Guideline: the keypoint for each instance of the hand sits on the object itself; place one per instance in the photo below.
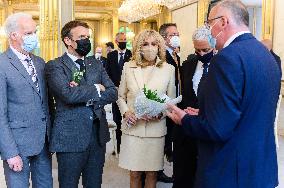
(146, 118)
(130, 117)
(175, 113)
(73, 84)
(102, 88)
(192, 111)
(15, 163)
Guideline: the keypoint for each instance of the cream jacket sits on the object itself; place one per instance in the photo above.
(161, 79)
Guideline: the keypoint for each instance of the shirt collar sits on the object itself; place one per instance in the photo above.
(170, 50)
(123, 51)
(21, 56)
(74, 58)
(232, 38)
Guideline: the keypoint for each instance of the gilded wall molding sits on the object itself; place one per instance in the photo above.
(202, 11)
(267, 19)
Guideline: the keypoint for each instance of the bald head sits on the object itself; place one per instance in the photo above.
(227, 18)
(234, 9)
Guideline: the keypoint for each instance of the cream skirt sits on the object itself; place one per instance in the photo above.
(141, 154)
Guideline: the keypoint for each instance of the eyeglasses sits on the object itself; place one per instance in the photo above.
(172, 35)
(208, 22)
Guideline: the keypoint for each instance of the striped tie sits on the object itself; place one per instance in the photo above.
(32, 73)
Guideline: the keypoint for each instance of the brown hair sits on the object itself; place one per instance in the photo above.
(66, 30)
(163, 28)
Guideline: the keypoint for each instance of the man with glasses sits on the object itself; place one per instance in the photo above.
(237, 107)
(171, 36)
(185, 147)
(80, 87)
(24, 117)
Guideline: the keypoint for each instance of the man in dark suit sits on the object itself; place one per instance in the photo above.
(114, 66)
(237, 105)
(185, 147)
(80, 131)
(99, 56)
(24, 116)
(268, 44)
(171, 35)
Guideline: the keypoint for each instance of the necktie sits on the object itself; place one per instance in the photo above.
(32, 73)
(178, 73)
(203, 78)
(121, 60)
(81, 63)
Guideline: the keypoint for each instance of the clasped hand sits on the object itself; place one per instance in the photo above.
(132, 119)
(74, 84)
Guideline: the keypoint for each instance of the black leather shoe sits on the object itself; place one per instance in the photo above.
(162, 177)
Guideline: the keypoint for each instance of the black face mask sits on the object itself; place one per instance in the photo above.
(122, 45)
(205, 58)
(83, 46)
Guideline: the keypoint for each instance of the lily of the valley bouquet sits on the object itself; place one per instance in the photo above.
(77, 76)
(151, 103)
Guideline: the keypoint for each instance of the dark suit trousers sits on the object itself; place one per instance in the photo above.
(184, 159)
(39, 166)
(117, 119)
(89, 164)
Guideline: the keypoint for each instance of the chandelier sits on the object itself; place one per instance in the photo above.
(135, 10)
(171, 3)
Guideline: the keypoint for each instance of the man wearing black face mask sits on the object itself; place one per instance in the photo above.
(80, 131)
(114, 66)
(185, 147)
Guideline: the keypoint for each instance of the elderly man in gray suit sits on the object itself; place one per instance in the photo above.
(24, 119)
(80, 130)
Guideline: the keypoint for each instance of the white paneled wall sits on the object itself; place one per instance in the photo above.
(278, 40)
(186, 20)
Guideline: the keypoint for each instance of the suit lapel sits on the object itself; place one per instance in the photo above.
(14, 60)
(39, 76)
(67, 61)
(138, 76)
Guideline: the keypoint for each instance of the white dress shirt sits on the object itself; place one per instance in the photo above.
(22, 58)
(232, 38)
(123, 51)
(197, 76)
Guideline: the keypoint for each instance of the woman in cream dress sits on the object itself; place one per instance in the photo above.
(142, 145)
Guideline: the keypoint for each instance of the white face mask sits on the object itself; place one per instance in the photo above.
(149, 53)
(98, 55)
(175, 41)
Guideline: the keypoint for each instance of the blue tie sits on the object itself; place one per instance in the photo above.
(203, 78)
(121, 61)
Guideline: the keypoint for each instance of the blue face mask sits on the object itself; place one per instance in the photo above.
(30, 42)
(212, 41)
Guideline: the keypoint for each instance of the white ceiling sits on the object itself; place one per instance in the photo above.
(252, 2)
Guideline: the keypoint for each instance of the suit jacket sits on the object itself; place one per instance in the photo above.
(236, 117)
(112, 67)
(102, 59)
(189, 98)
(172, 62)
(73, 120)
(24, 113)
(132, 83)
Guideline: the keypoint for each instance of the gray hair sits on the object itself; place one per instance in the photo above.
(237, 9)
(201, 33)
(11, 23)
(118, 34)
